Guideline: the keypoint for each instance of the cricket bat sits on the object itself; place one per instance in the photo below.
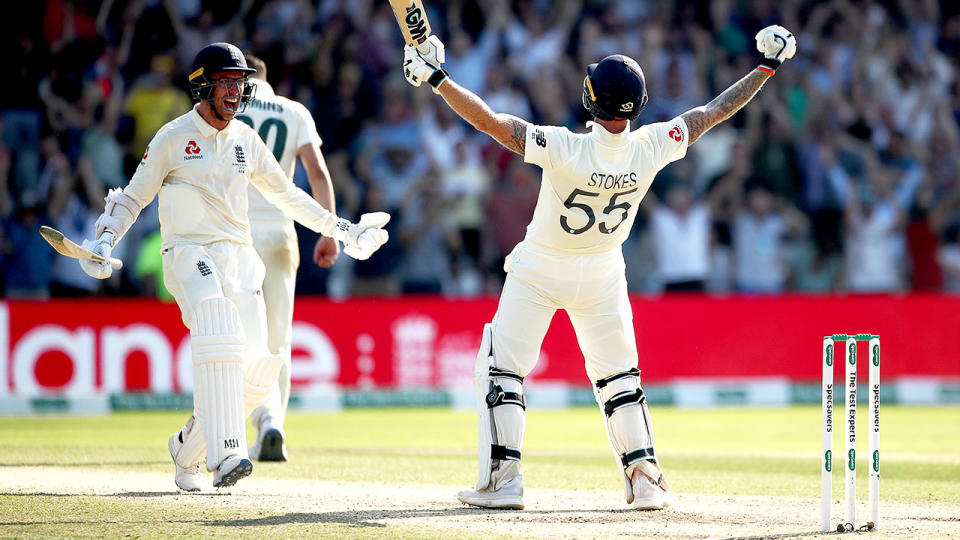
(65, 246)
(412, 19)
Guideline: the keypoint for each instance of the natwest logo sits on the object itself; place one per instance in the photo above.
(192, 150)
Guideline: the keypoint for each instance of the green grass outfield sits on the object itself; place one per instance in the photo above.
(742, 452)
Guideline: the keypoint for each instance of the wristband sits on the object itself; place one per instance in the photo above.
(769, 65)
(437, 78)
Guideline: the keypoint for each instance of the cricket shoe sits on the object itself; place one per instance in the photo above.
(508, 497)
(649, 496)
(231, 470)
(187, 478)
(270, 445)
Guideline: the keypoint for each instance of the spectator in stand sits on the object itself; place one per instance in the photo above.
(27, 259)
(445, 132)
(153, 101)
(378, 275)
(875, 223)
(681, 236)
(428, 237)
(101, 158)
(197, 29)
(391, 152)
(464, 187)
(74, 203)
(876, 82)
(759, 229)
(474, 59)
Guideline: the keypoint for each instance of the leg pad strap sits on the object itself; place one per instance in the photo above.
(628, 425)
(504, 452)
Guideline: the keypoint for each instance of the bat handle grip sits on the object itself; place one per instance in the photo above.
(116, 264)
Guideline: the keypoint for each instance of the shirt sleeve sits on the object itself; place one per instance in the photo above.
(546, 146)
(308, 129)
(276, 187)
(153, 169)
(670, 140)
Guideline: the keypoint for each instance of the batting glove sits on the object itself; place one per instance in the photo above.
(361, 240)
(102, 247)
(432, 51)
(776, 44)
(417, 70)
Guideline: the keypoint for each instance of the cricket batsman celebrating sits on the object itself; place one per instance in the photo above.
(571, 257)
(201, 165)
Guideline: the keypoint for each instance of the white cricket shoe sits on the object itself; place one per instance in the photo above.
(231, 470)
(649, 496)
(508, 497)
(270, 445)
(187, 478)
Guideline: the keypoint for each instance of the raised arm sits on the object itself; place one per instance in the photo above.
(777, 44)
(701, 119)
(418, 68)
(506, 129)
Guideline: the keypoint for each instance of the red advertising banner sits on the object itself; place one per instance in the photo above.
(107, 346)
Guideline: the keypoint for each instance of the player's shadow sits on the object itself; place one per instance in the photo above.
(173, 492)
(128, 494)
(36, 494)
(80, 464)
(367, 518)
(805, 534)
(705, 518)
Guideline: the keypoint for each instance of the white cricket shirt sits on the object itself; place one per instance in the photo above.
(285, 126)
(593, 182)
(202, 176)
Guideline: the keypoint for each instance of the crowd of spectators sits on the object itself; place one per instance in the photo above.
(842, 175)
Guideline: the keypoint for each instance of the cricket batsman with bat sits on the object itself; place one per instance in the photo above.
(571, 256)
(201, 165)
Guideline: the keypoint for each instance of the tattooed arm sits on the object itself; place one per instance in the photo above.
(701, 119)
(507, 130)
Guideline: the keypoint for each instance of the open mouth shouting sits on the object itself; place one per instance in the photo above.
(230, 104)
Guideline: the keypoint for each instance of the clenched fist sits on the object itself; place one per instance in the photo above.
(776, 42)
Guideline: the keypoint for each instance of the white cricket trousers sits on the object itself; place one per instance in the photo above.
(194, 273)
(276, 243)
(591, 288)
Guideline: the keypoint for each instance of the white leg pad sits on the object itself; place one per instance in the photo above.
(260, 381)
(194, 446)
(217, 343)
(501, 418)
(284, 381)
(627, 420)
(254, 395)
(275, 406)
